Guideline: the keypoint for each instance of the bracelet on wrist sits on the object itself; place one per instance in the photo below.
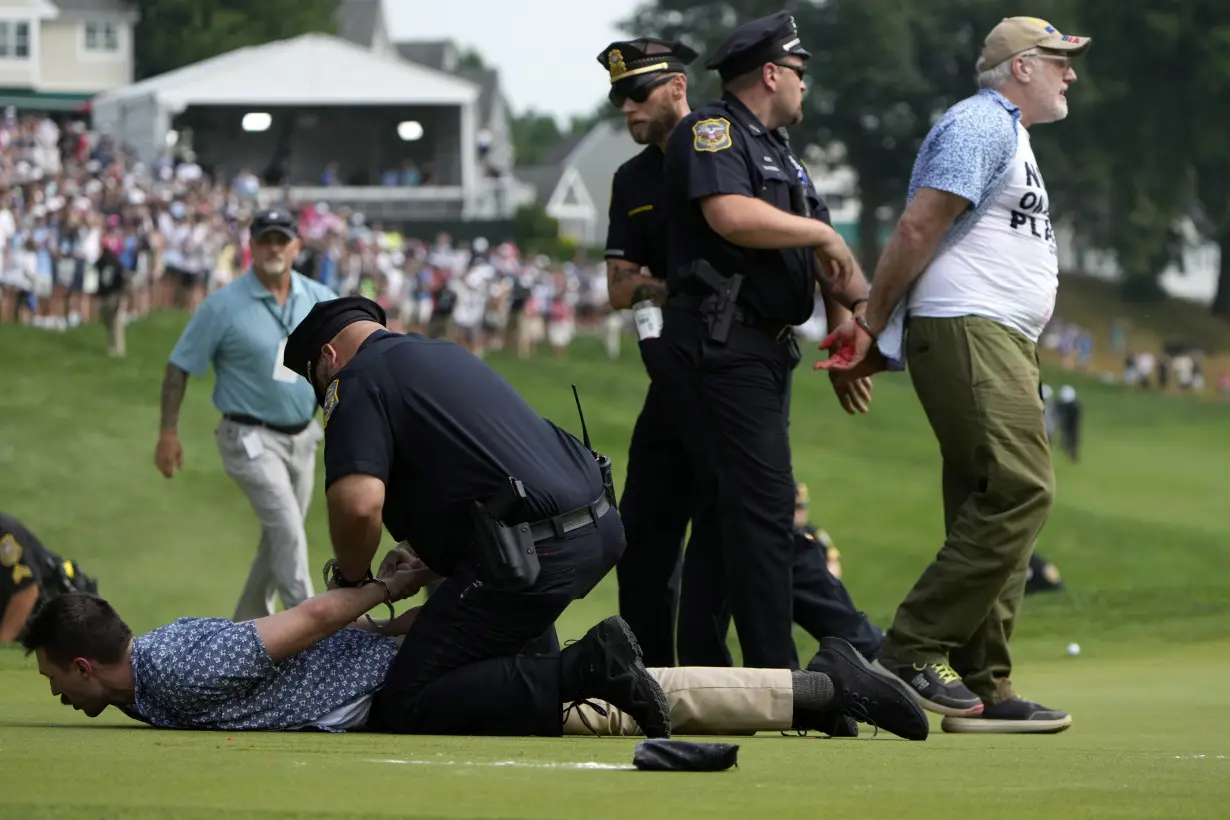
(861, 321)
(333, 575)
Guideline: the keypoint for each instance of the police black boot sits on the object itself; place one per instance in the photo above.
(606, 665)
(867, 694)
(817, 707)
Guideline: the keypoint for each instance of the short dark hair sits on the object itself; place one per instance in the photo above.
(77, 625)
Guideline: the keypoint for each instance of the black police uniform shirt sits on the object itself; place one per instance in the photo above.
(721, 148)
(24, 561)
(636, 230)
(441, 429)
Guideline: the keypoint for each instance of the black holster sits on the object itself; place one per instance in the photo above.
(505, 553)
(718, 309)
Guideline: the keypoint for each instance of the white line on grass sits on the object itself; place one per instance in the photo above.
(512, 763)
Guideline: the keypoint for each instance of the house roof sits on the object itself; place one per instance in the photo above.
(309, 70)
(357, 20)
(437, 54)
(488, 82)
(110, 7)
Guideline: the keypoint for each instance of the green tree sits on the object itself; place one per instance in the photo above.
(176, 33)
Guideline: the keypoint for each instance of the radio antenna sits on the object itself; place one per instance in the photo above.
(584, 429)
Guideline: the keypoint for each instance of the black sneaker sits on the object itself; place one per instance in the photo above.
(606, 665)
(1015, 716)
(938, 688)
(867, 694)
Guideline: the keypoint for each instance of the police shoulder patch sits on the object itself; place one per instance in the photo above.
(10, 551)
(330, 400)
(711, 135)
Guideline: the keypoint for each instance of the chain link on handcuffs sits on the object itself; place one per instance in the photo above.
(333, 576)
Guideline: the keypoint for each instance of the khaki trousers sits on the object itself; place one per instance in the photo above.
(703, 701)
(978, 382)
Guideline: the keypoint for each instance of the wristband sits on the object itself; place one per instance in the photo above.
(856, 303)
(861, 321)
(333, 575)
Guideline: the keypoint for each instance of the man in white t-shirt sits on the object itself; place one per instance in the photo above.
(972, 272)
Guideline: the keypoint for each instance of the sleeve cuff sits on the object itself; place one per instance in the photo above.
(892, 339)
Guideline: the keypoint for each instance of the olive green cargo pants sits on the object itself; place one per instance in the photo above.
(978, 382)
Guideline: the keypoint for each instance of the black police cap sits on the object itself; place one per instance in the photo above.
(641, 61)
(324, 321)
(764, 40)
(281, 220)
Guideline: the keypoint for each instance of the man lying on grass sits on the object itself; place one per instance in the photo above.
(316, 666)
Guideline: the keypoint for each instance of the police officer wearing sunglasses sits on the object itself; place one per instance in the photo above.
(649, 87)
(749, 241)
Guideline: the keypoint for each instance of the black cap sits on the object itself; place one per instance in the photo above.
(753, 44)
(324, 321)
(277, 219)
(639, 63)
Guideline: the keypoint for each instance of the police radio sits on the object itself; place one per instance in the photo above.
(604, 463)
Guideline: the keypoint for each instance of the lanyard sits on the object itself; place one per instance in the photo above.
(280, 318)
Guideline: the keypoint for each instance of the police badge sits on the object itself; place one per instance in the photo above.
(711, 135)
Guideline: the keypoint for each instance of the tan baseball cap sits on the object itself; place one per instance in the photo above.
(1016, 34)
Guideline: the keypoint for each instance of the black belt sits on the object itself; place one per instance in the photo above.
(560, 525)
(775, 330)
(291, 430)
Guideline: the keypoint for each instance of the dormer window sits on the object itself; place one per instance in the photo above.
(102, 37)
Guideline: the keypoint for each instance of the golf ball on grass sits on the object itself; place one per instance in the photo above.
(1074, 649)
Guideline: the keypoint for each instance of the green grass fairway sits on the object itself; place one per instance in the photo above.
(1139, 530)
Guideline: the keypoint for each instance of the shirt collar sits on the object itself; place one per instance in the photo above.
(744, 115)
(1008, 105)
(259, 291)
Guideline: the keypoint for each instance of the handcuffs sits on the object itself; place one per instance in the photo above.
(333, 576)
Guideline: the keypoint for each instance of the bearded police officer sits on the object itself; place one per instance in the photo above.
(648, 85)
(514, 512)
(749, 241)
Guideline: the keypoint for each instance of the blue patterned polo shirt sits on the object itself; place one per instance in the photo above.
(210, 673)
(968, 152)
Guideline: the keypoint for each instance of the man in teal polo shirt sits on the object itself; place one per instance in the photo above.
(267, 435)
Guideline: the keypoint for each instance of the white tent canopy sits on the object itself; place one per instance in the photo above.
(309, 70)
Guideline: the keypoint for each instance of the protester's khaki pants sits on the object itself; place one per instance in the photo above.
(978, 383)
(703, 701)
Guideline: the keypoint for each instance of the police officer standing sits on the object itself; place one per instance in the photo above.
(650, 89)
(648, 85)
(517, 515)
(267, 436)
(749, 241)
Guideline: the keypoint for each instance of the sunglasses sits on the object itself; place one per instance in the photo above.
(639, 94)
(799, 71)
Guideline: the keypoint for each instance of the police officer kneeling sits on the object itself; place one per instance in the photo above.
(513, 511)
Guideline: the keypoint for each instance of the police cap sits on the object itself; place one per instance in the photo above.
(276, 220)
(324, 321)
(751, 45)
(638, 66)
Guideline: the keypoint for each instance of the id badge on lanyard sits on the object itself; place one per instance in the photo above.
(282, 373)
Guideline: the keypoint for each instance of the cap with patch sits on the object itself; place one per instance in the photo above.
(278, 219)
(324, 321)
(1016, 34)
(753, 44)
(640, 63)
